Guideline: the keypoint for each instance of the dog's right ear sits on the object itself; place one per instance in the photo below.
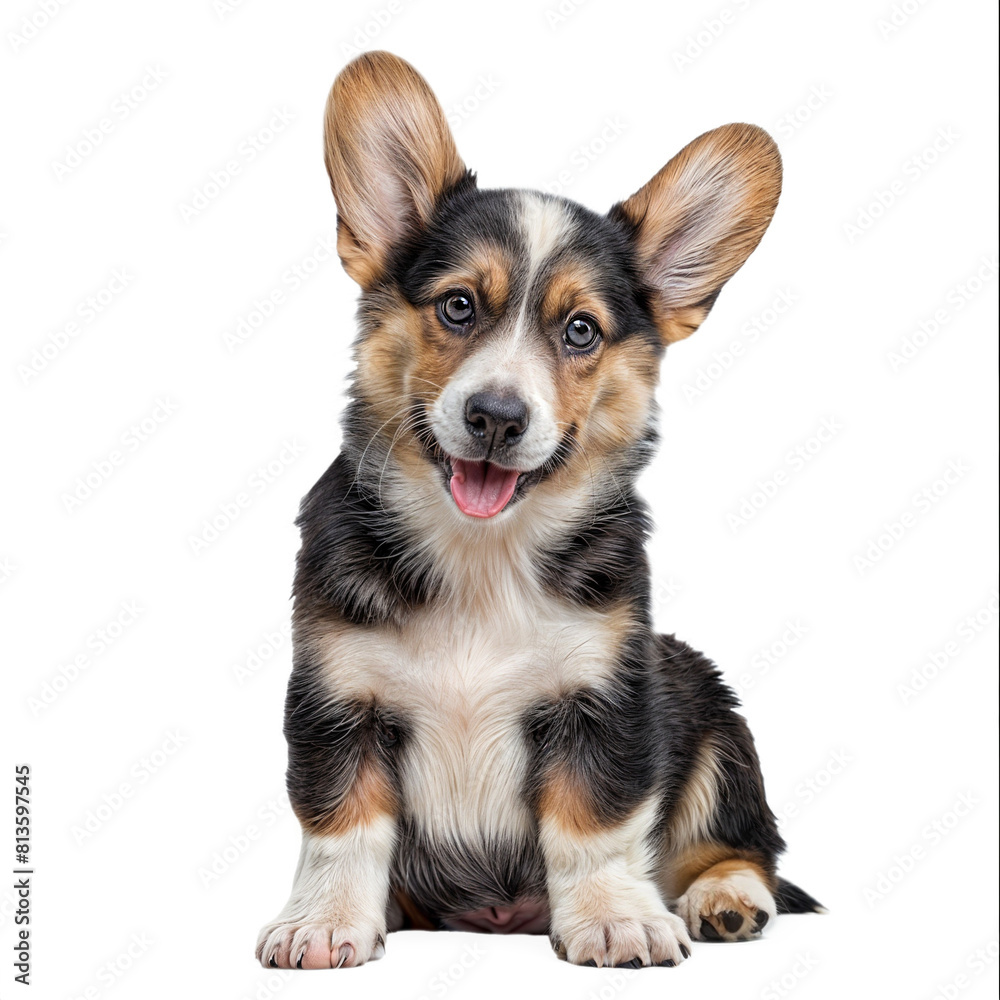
(390, 156)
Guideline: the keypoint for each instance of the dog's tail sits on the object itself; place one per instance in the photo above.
(791, 899)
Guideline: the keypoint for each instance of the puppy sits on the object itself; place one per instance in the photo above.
(484, 732)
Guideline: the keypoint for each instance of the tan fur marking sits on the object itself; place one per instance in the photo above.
(602, 394)
(485, 272)
(569, 291)
(705, 858)
(370, 796)
(407, 357)
(566, 802)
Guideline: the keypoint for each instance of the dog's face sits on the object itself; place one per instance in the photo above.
(511, 340)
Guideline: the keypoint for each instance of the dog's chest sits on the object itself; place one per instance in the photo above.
(463, 681)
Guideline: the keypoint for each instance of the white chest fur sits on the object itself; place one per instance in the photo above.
(462, 680)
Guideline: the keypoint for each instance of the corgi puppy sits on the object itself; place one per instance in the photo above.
(484, 731)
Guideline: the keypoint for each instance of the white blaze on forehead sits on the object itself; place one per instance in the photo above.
(545, 224)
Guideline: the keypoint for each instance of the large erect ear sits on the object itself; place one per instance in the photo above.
(390, 155)
(696, 222)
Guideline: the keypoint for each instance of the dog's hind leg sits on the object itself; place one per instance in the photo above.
(719, 863)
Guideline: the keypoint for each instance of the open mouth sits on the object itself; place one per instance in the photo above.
(481, 489)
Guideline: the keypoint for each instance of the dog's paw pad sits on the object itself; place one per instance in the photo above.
(726, 908)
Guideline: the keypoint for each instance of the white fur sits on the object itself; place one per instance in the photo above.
(463, 679)
(339, 898)
(605, 905)
(505, 364)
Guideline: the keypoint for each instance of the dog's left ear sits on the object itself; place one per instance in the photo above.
(696, 222)
(390, 156)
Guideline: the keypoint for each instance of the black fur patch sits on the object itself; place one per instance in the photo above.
(329, 741)
(604, 560)
(698, 705)
(448, 878)
(606, 740)
(351, 560)
(791, 899)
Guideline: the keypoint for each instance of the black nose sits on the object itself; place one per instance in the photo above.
(496, 420)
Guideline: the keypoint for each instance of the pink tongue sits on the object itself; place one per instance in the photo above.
(481, 489)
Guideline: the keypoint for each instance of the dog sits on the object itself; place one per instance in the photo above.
(484, 731)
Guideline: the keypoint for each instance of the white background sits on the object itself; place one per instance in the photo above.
(859, 764)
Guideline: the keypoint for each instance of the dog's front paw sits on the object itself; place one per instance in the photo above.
(322, 943)
(730, 907)
(623, 941)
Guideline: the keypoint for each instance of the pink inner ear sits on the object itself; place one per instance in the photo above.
(392, 211)
(685, 265)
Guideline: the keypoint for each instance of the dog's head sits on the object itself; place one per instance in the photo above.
(510, 340)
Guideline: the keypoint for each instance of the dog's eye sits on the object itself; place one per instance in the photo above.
(581, 333)
(457, 309)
